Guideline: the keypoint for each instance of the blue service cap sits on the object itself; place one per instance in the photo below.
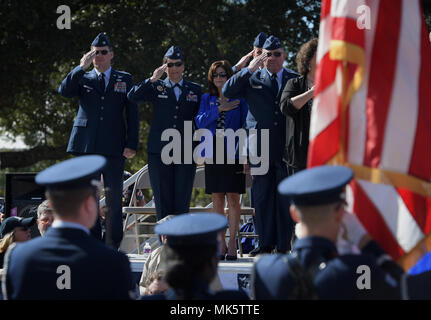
(192, 228)
(74, 173)
(272, 43)
(12, 222)
(174, 53)
(316, 186)
(101, 41)
(260, 40)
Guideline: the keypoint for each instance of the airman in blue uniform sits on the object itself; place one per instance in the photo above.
(262, 89)
(67, 263)
(100, 127)
(175, 103)
(258, 44)
(314, 269)
(191, 258)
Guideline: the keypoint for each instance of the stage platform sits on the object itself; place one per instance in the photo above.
(232, 274)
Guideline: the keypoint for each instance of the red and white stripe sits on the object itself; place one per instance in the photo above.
(388, 118)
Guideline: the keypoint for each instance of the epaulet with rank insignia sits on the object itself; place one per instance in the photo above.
(123, 72)
(195, 84)
(292, 71)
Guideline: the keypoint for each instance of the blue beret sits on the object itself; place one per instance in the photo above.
(12, 222)
(192, 228)
(260, 40)
(174, 53)
(101, 41)
(272, 43)
(78, 172)
(316, 186)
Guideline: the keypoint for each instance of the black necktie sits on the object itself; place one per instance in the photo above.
(102, 81)
(274, 81)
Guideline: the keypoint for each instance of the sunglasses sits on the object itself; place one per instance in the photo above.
(103, 52)
(221, 75)
(176, 64)
(276, 54)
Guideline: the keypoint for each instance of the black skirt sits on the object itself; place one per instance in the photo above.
(224, 178)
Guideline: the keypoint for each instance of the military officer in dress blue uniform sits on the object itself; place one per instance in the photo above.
(262, 89)
(67, 263)
(100, 127)
(258, 43)
(175, 104)
(250, 121)
(314, 269)
(190, 257)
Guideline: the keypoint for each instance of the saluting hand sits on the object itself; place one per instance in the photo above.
(257, 62)
(226, 106)
(87, 59)
(312, 89)
(157, 74)
(129, 153)
(243, 61)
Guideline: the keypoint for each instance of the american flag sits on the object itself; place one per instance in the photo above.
(372, 112)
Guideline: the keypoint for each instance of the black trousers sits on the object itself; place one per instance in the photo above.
(273, 222)
(113, 179)
(172, 185)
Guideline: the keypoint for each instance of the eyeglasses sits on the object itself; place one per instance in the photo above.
(176, 64)
(103, 52)
(221, 75)
(276, 54)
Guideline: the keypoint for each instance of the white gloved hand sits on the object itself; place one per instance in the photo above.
(352, 229)
(298, 230)
(343, 245)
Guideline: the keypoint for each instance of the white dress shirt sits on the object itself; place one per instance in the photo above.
(279, 78)
(107, 74)
(177, 90)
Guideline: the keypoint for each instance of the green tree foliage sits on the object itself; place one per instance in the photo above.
(36, 55)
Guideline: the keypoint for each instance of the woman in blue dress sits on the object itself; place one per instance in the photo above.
(222, 179)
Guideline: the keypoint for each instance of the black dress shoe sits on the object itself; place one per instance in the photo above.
(221, 257)
(259, 250)
(231, 257)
